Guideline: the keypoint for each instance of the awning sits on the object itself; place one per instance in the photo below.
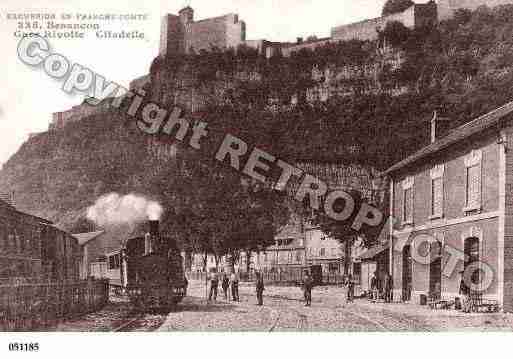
(373, 251)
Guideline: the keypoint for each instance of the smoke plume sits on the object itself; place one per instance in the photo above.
(113, 209)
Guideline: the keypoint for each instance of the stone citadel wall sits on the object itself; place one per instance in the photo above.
(446, 8)
(415, 16)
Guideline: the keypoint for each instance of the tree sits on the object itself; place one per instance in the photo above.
(342, 231)
(217, 212)
(395, 6)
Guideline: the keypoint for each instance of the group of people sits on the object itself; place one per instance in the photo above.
(233, 283)
(226, 283)
(381, 287)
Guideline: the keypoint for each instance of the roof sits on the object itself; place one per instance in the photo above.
(7, 198)
(290, 230)
(84, 238)
(294, 244)
(458, 134)
(6, 204)
(9, 207)
(373, 251)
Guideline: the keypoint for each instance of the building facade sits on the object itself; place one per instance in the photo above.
(453, 207)
(32, 249)
(102, 254)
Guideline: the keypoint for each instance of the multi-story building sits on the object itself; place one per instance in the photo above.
(455, 194)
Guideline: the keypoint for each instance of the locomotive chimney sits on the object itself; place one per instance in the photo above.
(147, 244)
(151, 238)
(154, 227)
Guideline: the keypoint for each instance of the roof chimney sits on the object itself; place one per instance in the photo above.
(433, 126)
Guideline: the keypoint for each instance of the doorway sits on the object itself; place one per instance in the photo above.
(435, 274)
(407, 273)
(471, 249)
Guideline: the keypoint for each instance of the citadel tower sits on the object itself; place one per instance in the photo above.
(181, 34)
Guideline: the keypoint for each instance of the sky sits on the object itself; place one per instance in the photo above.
(28, 97)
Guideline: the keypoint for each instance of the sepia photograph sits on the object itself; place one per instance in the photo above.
(246, 166)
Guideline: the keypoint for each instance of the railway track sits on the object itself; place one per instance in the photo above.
(369, 320)
(302, 322)
(142, 322)
(128, 323)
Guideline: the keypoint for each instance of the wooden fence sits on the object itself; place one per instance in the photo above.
(38, 306)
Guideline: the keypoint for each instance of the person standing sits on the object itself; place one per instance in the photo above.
(307, 289)
(374, 287)
(464, 292)
(234, 282)
(350, 287)
(225, 284)
(388, 288)
(259, 284)
(214, 283)
(186, 285)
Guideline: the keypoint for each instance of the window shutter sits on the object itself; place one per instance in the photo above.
(474, 187)
(437, 197)
(408, 205)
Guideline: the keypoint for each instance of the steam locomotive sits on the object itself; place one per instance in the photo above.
(154, 271)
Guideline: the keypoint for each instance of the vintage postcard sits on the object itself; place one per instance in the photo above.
(255, 166)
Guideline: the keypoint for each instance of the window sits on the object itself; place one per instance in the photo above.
(333, 252)
(3, 236)
(114, 261)
(473, 181)
(298, 256)
(408, 205)
(323, 252)
(333, 267)
(357, 269)
(473, 186)
(11, 240)
(437, 191)
(437, 197)
(407, 200)
(17, 241)
(21, 241)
